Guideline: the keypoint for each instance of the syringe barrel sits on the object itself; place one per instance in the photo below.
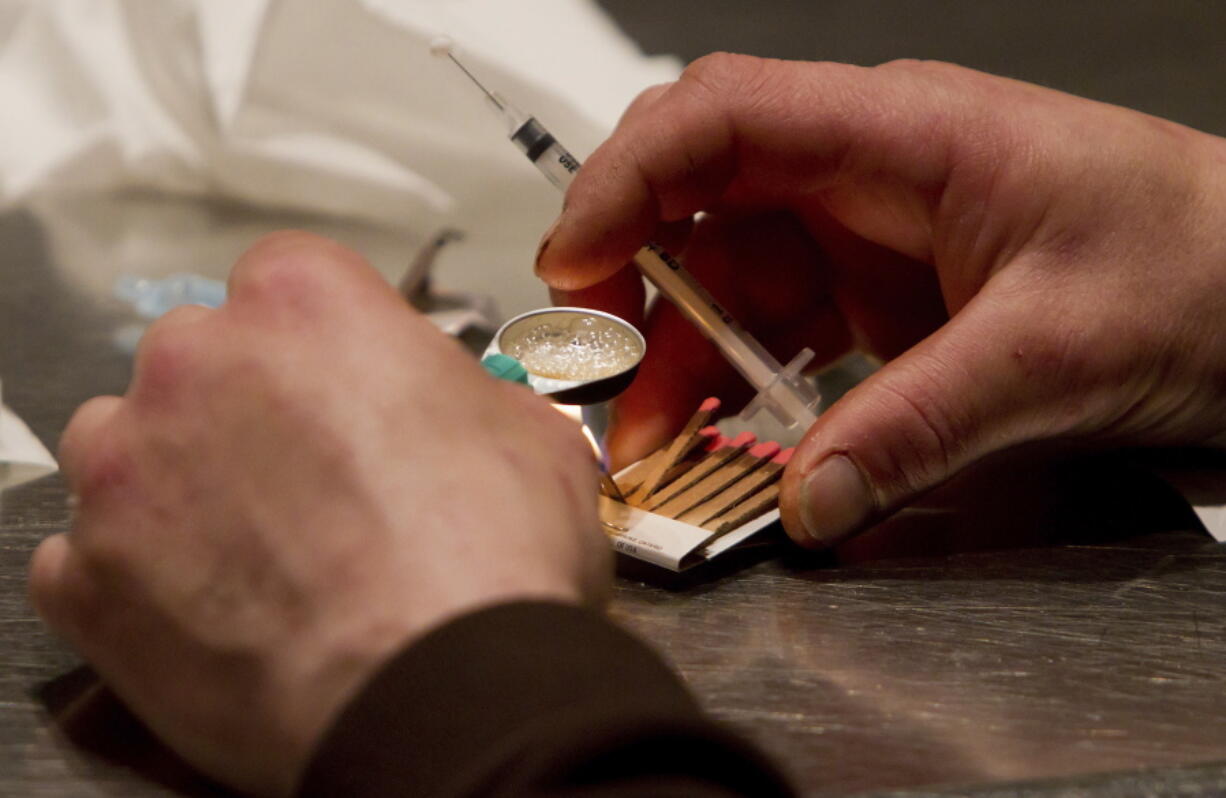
(546, 154)
(747, 355)
(788, 395)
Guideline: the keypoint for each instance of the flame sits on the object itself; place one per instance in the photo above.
(607, 485)
(591, 439)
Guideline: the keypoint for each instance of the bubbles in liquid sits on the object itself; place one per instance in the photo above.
(586, 348)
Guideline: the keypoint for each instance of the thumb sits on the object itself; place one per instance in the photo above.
(987, 380)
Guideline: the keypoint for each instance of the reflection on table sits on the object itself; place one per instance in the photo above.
(1046, 618)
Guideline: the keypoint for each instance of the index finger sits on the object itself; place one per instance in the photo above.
(776, 133)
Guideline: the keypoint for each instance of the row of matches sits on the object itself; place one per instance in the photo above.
(706, 479)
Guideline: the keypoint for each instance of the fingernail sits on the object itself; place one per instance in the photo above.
(834, 500)
(544, 245)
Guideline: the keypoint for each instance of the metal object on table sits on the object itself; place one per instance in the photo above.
(465, 315)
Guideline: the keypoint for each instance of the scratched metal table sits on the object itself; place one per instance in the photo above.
(1086, 657)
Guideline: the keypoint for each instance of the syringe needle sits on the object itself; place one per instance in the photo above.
(492, 97)
(515, 119)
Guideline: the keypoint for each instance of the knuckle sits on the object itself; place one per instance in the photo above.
(63, 590)
(169, 331)
(44, 584)
(167, 355)
(294, 243)
(721, 70)
(173, 330)
(727, 80)
(44, 567)
(919, 66)
(902, 65)
(103, 468)
(183, 316)
(83, 425)
(270, 278)
(942, 76)
(291, 268)
(645, 99)
(88, 452)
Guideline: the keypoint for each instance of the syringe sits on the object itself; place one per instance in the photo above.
(783, 390)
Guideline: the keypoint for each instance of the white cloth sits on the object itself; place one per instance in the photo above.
(329, 106)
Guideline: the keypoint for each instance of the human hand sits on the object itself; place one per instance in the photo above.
(1035, 266)
(294, 486)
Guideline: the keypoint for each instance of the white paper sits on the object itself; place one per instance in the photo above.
(1203, 486)
(667, 542)
(1214, 519)
(22, 456)
(737, 536)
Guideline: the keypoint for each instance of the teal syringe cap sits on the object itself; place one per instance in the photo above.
(505, 367)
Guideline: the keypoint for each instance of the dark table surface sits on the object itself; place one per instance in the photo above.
(1091, 645)
(1085, 658)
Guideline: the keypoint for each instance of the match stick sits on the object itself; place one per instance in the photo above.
(716, 458)
(738, 492)
(724, 476)
(762, 501)
(708, 438)
(681, 444)
(682, 468)
(608, 486)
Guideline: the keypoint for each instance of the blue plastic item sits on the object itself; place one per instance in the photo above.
(153, 297)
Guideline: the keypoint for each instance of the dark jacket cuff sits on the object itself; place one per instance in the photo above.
(528, 698)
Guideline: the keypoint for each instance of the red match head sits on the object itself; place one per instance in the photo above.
(743, 440)
(765, 450)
